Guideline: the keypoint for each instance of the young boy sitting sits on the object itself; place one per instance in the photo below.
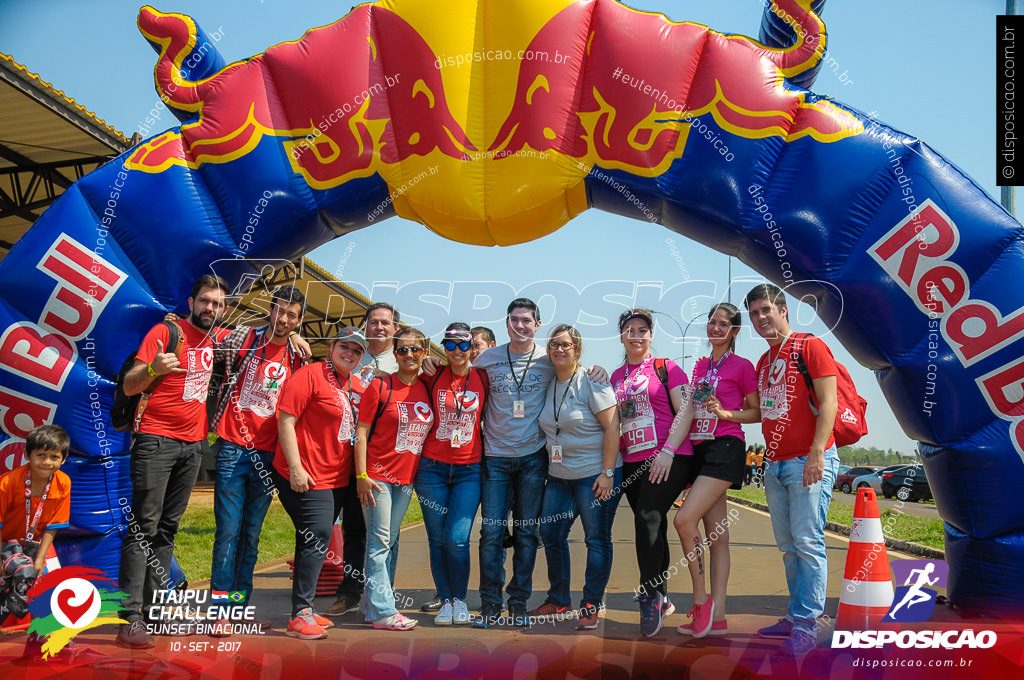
(35, 499)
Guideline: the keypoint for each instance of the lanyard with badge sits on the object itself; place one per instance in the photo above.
(519, 406)
(774, 401)
(336, 388)
(638, 431)
(30, 527)
(627, 405)
(556, 449)
(461, 433)
(704, 422)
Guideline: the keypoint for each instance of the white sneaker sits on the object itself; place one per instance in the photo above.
(461, 615)
(444, 615)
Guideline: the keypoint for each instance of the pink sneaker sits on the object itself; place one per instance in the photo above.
(701, 615)
(396, 621)
(717, 628)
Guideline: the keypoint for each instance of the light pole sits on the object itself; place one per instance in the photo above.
(685, 329)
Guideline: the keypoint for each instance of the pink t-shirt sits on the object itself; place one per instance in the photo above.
(645, 411)
(732, 379)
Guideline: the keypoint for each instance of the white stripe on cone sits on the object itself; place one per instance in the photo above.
(866, 593)
(866, 530)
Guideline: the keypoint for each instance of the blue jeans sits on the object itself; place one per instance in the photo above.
(383, 522)
(798, 520)
(516, 485)
(564, 499)
(449, 494)
(240, 503)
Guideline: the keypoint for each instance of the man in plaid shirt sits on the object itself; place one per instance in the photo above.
(255, 363)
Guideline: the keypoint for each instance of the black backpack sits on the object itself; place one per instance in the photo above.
(662, 372)
(126, 411)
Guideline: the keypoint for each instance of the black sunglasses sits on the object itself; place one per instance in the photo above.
(463, 345)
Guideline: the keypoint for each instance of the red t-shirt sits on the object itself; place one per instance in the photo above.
(786, 419)
(452, 416)
(393, 452)
(251, 417)
(325, 424)
(56, 510)
(177, 408)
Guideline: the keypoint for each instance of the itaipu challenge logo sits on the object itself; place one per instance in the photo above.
(69, 600)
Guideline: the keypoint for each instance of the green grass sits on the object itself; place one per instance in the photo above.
(895, 524)
(193, 545)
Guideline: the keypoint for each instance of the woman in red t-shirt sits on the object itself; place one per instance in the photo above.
(722, 383)
(448, 479)
(313, 463)
(394, 421)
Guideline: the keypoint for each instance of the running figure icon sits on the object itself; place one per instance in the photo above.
(914, 594)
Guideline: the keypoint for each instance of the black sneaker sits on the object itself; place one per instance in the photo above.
(133, 634)
(433, 605)
(651, 616)
(518, 615)
(490, 616)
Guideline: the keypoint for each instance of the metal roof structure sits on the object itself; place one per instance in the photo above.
(330, 304)
(47, 141)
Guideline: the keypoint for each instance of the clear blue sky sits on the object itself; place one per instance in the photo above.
(925, 67)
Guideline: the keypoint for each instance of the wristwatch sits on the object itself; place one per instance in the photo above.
(610, 472)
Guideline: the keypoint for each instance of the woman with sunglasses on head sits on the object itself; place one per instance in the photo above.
(655, 413)
(448, 479)
(724, 383)
(313, 463)
(581, 427)
(394, 420)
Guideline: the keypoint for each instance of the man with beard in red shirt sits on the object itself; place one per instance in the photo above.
(166, 449)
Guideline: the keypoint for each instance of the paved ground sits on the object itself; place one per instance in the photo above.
(757, 597)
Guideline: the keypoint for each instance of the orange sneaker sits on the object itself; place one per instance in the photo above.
(322, 621)
(305, 627)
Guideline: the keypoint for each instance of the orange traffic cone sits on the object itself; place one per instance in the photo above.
(867, 586)
(335, 549)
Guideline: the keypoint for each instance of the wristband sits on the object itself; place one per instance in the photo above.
(362, 476)
(149, 369)
(670, 449)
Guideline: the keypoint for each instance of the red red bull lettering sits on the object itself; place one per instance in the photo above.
(634, 107)
(358, 103)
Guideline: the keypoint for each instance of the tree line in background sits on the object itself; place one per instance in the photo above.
(857, 455)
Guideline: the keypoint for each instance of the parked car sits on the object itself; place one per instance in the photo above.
(874, 479)
(844, 481)
(843, 468)
(913, 479)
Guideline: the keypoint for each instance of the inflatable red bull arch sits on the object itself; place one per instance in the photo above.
(521, 116)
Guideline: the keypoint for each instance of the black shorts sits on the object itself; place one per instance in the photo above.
(722, 458)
